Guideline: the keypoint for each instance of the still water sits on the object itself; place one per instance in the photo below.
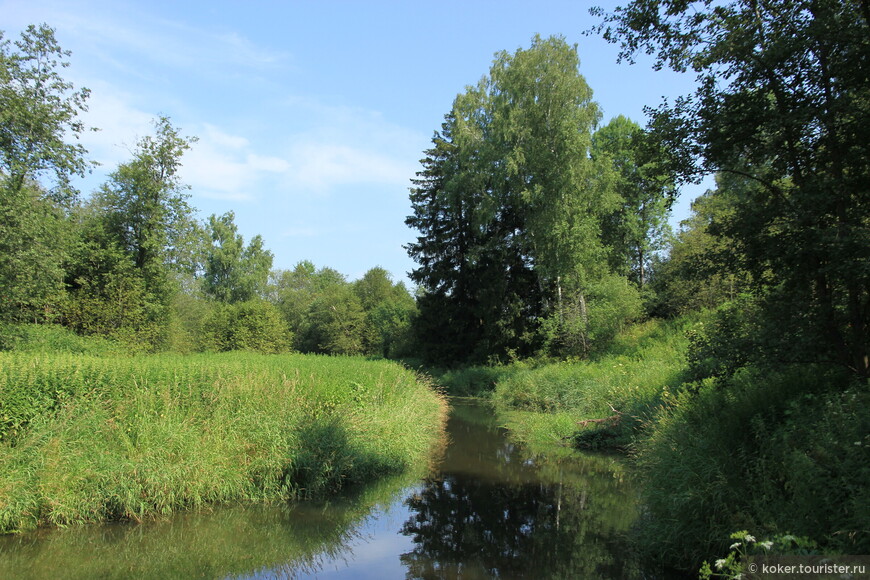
(488, 510)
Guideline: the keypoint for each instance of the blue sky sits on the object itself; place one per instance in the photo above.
(311, 116)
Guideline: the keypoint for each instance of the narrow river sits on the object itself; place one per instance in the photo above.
(488, 510)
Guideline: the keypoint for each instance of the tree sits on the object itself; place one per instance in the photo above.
(107, 294)
(508, 206)
(144, 205)
(38, 113)
(336, 322)
(321, 309)
(701, 270)
(389, 310)
(254, 325)
(136, 235)
(639, 225)
(235, 273)
(542, 116)
(783, 100)
(34, 239)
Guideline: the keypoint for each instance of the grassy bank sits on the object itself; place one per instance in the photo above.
(91, 438)
(600, 403)
(776, 451)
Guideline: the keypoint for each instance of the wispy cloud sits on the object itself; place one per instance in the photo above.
(311, 148)
(120, 124)
(347, 145)
(320, 166)
(224, 166)
(167, 42)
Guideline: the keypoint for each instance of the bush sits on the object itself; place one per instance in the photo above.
(579, 328)
(54, 338)
(255, 325)
(727, 340)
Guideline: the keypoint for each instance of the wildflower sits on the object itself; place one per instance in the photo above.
(749, 538)
(735, 545)
(766, 545)
(720, 563)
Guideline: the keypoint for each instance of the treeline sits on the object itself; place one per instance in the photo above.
(768, 430)
(542, 234)
(133, 263)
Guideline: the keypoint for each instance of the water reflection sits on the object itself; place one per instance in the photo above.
(494, 513)
(488, 511)
(272, 541)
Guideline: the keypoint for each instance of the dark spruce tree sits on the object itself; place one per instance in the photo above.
(477, 286)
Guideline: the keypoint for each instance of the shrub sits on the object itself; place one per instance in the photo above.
(255, 325)
(773, 452)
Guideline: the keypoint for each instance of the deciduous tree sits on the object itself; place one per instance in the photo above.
(38, 114)
(783, 99)
(235, 273)
(638, 226)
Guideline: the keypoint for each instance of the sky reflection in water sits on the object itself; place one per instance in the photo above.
(488, 511)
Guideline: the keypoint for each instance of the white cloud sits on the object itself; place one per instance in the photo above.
(222, 166)
(115, 36)
(119, 125)
(306, 147)
(348, 145)
(265, 163)
(216, 136)
(324, 165)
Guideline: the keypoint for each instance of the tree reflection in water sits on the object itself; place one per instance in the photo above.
(490, 511)
(493, 513)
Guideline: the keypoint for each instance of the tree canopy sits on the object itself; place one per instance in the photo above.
(783, 101)
(39, 112)
(509, 206)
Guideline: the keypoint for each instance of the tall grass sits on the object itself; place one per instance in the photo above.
(772, 452)
(549, 404)
(89, 438)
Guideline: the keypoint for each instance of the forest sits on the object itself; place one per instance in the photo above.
(730, 359)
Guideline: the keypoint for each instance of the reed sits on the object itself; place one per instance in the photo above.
(92, 438)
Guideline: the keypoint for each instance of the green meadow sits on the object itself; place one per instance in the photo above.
(86, 438)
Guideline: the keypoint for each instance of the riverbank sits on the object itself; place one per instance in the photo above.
(89, 438)
(779, 452)
(487, 509)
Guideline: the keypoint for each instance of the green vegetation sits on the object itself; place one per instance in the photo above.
(733, 361)
(601, 403)
(527, 221)
(778, 451)
(88, 438)
(773, 451)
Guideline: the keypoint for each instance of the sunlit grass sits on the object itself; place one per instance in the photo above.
(94, 438)
(554, 403)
